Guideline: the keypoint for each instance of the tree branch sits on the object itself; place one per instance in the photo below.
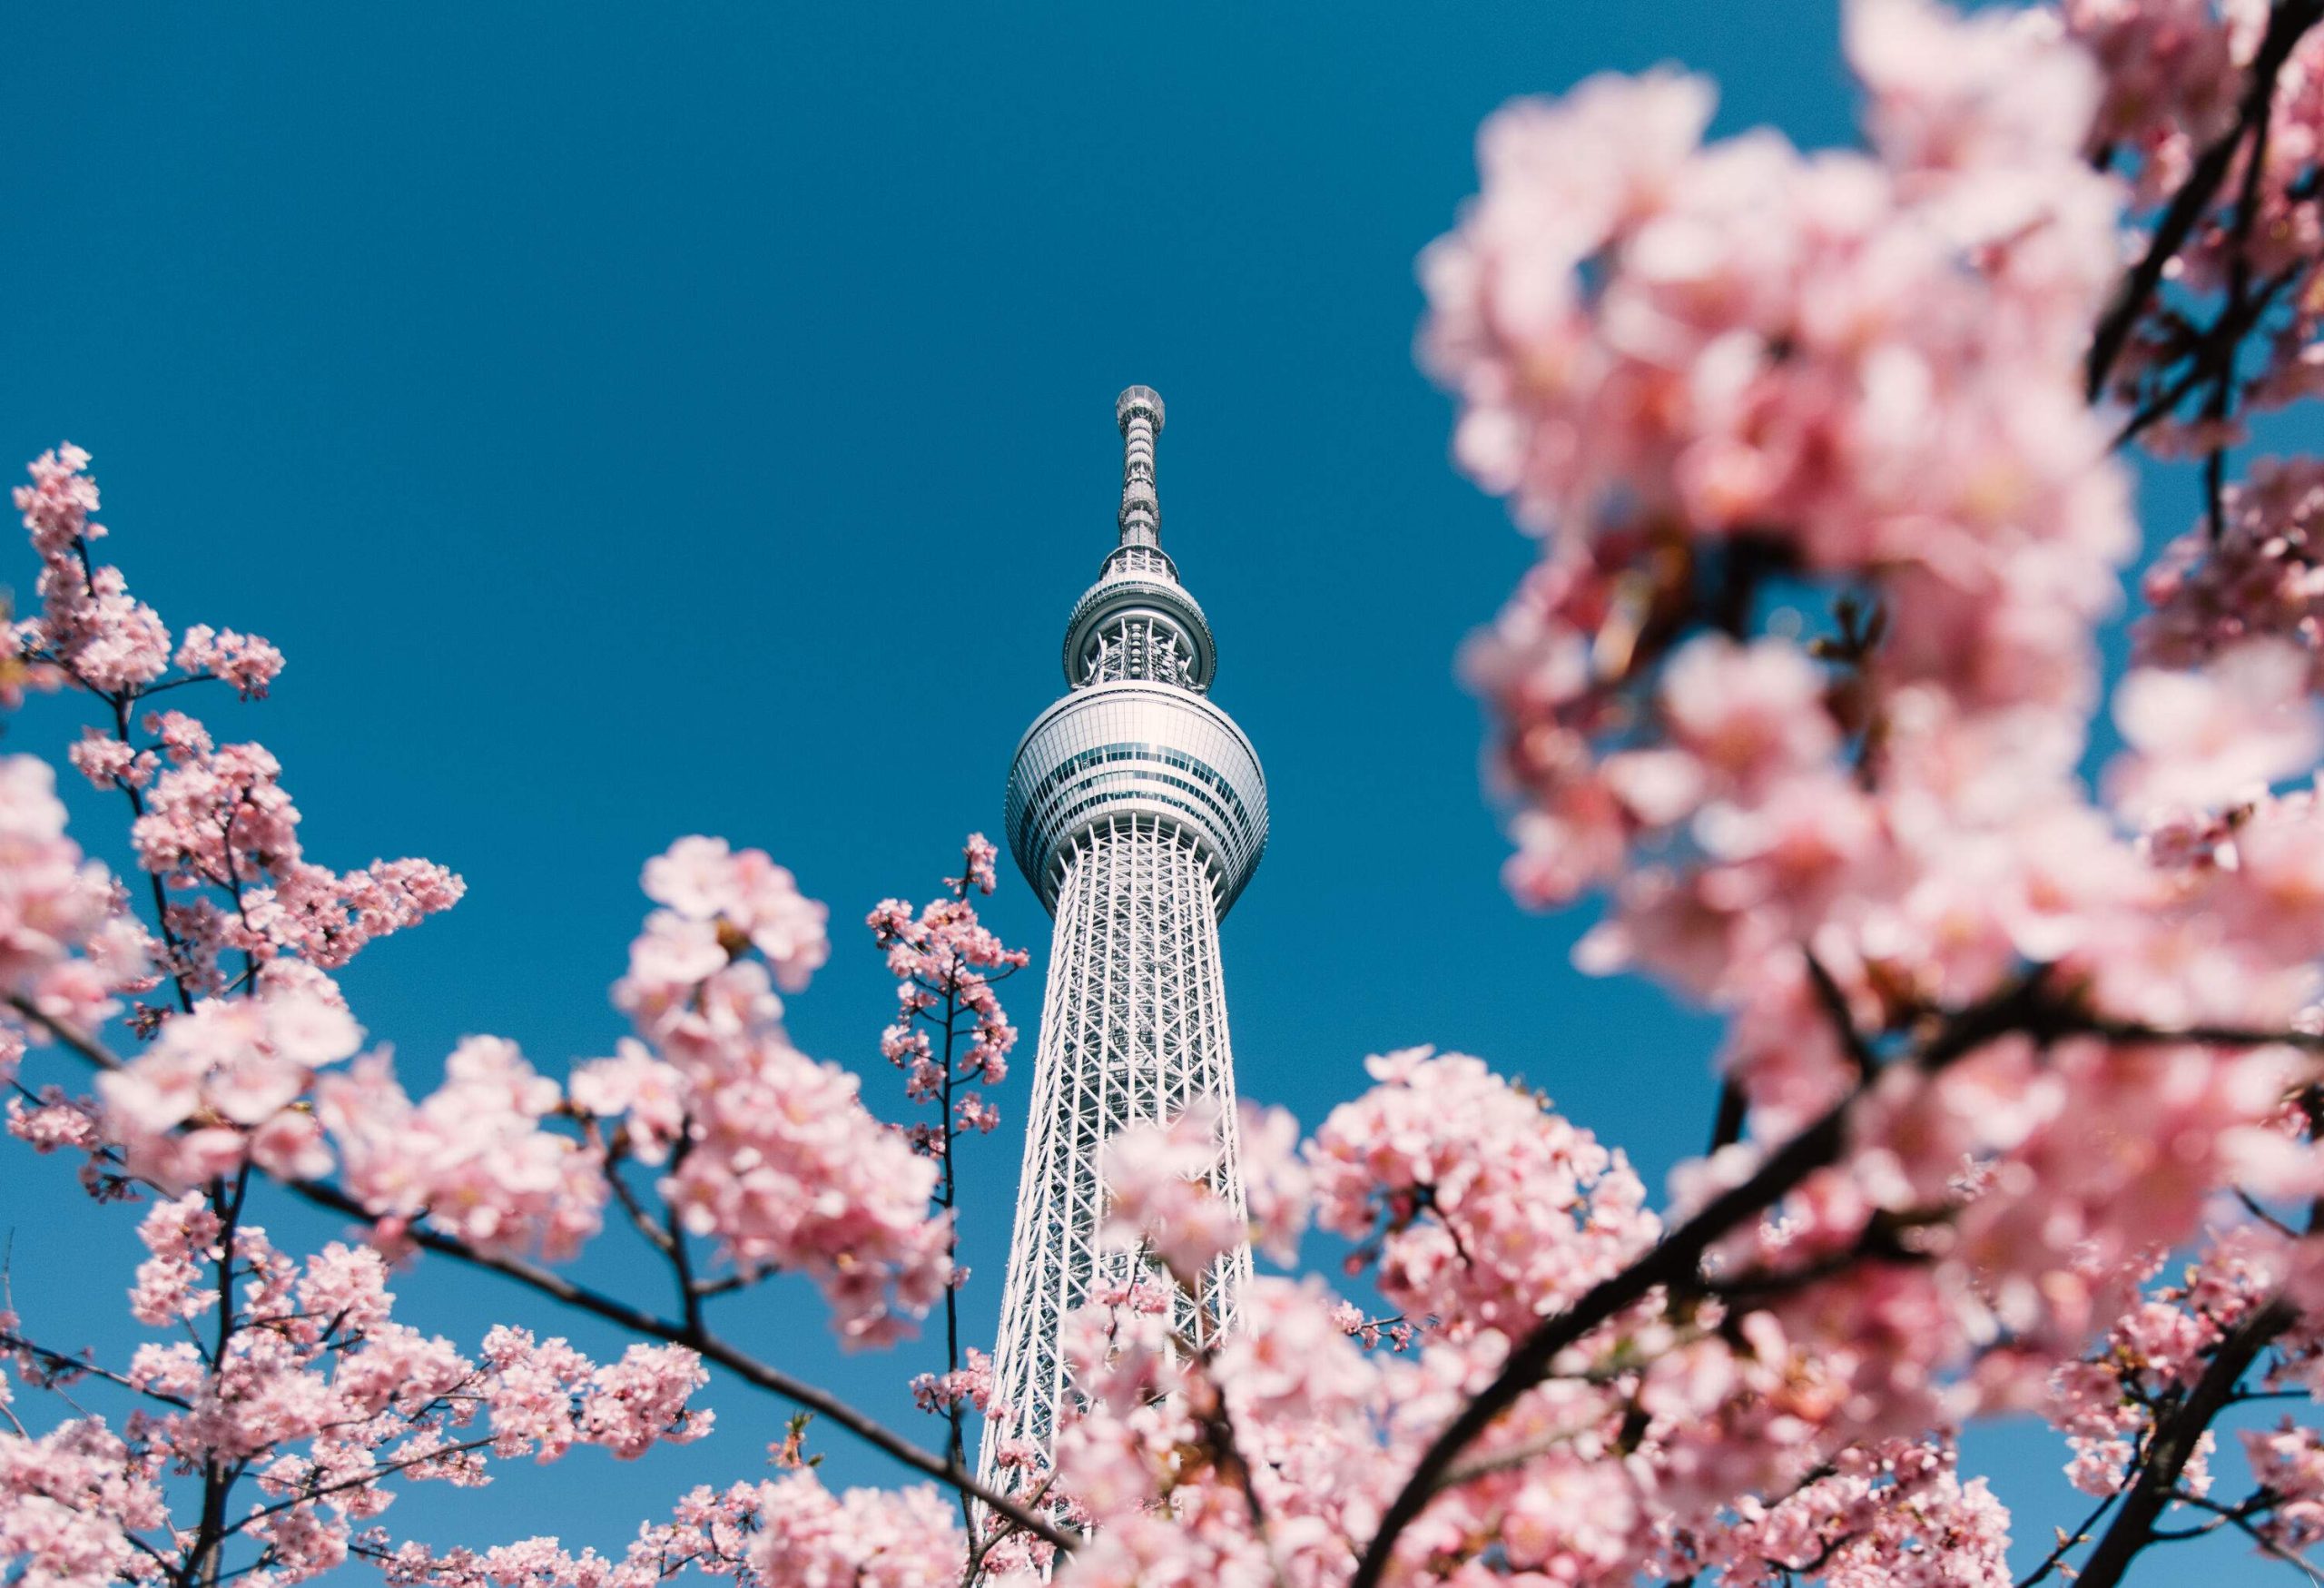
(77, 1368)
(2238, 1518)
(2024, 1006)
(2175, 1438)
(2067, 1541)
(2287, 23)
(557, 1287)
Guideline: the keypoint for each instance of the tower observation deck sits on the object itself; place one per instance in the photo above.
(1138, 810)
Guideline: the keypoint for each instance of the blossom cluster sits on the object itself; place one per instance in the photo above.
(1481, 1208)
(710, 1531)
(216, 818)
(763, 1150)
(790, 1533)
(766, 1151)
(970, 1385)
(66, 947)
(90, 631)
(2113, 1404)
(1896, 1511)
(213, 825)
(298, 1373)
(474, 1158)
(1269, 1451)
(946, 963)
(227, 1083)
(2260, 577)
(1165, 1195)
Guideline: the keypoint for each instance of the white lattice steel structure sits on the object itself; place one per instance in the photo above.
(1137, 810)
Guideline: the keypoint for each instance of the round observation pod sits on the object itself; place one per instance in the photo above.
(1138, 585)
(1144, 751)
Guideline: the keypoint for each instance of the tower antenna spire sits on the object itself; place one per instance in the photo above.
(1138, 412)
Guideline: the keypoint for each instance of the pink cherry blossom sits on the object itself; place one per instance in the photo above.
(475, 1156)
(2259, 579)
(969, 1386)
(1747, 713)
(2205, 739)
(704, 881)
(947, 965)
(867, 1537)
(1896, 1512)
(2288, 1462)
(979, 857)
(647, 1095)
(1442, 1159)
(312, 1389)
(89, 629)
(1277, 1186)
(182, 1238)
(2169, 79)
(1800, 683)
(782, 1166)
(1162, 1196)
(244, 660)
(74, 1497)
(53, 902)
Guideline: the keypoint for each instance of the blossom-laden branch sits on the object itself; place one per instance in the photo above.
(2172, 75)
(2178, 1440)
(1733, 389)
(949, 1029)
(294, 1378)
(1257, 1452)
(691, 1333)
(789, 1534)
(211, 826)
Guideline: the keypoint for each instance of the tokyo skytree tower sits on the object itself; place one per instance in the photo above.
(1138, 810)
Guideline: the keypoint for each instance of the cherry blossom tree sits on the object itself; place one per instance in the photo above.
(1827, 458)
(263, 1442)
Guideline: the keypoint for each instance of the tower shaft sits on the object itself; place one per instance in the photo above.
(1133, 1031)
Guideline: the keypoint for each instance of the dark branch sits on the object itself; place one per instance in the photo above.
(2287, 24)
(2025, 1006)
(2174, 1442)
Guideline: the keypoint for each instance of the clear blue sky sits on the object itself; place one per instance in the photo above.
(639, 421)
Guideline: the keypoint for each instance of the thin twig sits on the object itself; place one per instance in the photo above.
(369, 1476)
(80, 1367)
(2067, 1541)
(1835, 1003)
(1727, 1124)
(2238, 1519)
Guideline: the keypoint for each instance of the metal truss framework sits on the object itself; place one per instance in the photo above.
(1138, 811)
(1133, 1031)
(1136, 650)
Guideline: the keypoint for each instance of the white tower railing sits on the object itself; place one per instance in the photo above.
(1137, 810)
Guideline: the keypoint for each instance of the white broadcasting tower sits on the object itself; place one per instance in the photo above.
(1138, 810)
